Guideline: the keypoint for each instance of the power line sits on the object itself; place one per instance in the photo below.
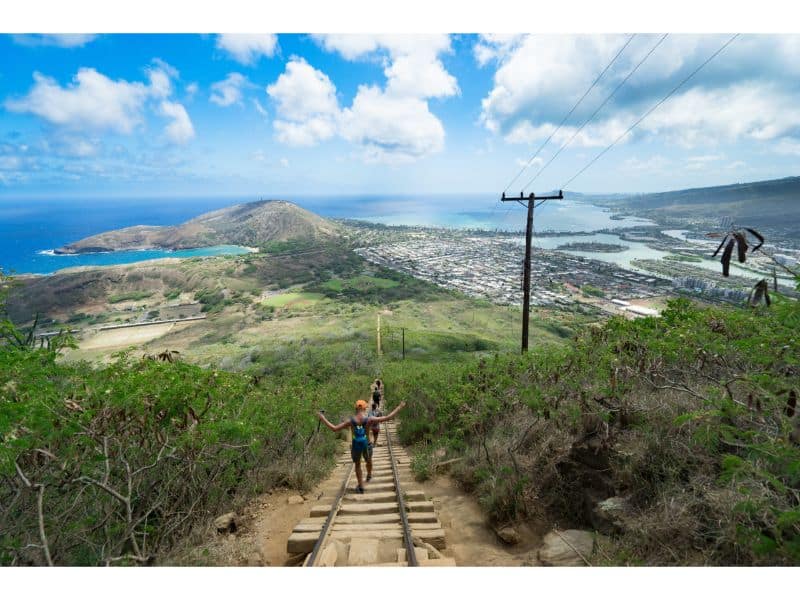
(599, 108)
(659, 103)
(564, 120)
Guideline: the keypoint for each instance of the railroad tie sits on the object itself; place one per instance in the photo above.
(390, 524)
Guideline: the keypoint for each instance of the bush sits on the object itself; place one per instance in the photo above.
(422, 464)
(212, 301)
(128, 458)
(134, 296)
(690, 416)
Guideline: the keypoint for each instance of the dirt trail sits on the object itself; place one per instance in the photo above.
(470, 540)
(266, 523)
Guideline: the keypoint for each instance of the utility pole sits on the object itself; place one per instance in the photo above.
(404, 342)
(379, 334)
(526, 284)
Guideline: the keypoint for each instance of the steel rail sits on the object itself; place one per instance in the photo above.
(331, 516)
(411, 555)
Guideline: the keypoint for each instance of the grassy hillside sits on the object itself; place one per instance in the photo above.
(250, 224)
(90, 290)
(690, 419)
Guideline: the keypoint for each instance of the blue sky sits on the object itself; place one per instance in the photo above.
(282, 115)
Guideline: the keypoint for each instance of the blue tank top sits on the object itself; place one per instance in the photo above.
(359, 430)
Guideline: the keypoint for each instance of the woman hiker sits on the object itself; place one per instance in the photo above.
(374, 425)
(359, 445)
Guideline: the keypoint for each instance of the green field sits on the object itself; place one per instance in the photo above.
(362, 282)
(293, 300)
(134, 296)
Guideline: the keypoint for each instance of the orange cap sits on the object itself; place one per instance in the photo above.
(360, 404)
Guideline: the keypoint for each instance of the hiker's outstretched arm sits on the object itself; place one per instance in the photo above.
(330, 425)
(391, 415)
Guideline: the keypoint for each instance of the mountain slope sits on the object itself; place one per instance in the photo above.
(773, 202)
(247, 224)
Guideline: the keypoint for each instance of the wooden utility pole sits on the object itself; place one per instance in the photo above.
(526, 283)
(404, 342)
(379, 334)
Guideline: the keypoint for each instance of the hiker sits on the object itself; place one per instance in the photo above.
(359, 445)
(375, 426)
(377, 396)
(376, 389)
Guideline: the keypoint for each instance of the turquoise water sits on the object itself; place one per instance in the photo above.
(640, 250)
(623, 258)
(28, 228)
(556, 215)
(31, 228)
(46, 261)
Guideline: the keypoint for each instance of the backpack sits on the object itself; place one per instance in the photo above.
(376, 396)
(360, 440)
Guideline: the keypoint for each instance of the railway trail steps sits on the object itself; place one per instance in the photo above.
(350, 529)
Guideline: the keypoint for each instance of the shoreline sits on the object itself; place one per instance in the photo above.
(154, 260)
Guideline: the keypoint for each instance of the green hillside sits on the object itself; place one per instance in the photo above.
(689, 421)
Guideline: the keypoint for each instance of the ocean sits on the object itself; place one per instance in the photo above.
(31, 229)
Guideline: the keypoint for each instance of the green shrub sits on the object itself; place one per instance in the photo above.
(134, 296)
(688, 415)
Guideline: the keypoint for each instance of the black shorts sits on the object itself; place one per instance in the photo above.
(357, 452)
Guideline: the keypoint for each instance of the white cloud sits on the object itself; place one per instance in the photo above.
(391, 128)
(229, 90)
(350, 46)
(77, 147)
(389, 124)
(180, 130)
(787, 147)
(62, 40)
(160, 83)
(748, 111)
(306, 133)
(191, 90)
(261, 110)
(541, 76)
(494, 46)
(306, 104)
(248, 48)
(412, 68)
(594, 135)
(303, 91)
(394, 123)
(748, 93)
(420, 75)
(92, 101)
(95, 102)
(284, 162)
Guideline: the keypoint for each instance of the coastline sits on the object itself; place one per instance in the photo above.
(202, 252)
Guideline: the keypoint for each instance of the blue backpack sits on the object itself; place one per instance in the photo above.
(360, 440)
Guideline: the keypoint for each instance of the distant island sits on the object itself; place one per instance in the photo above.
(592, 247)
(250, 224)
